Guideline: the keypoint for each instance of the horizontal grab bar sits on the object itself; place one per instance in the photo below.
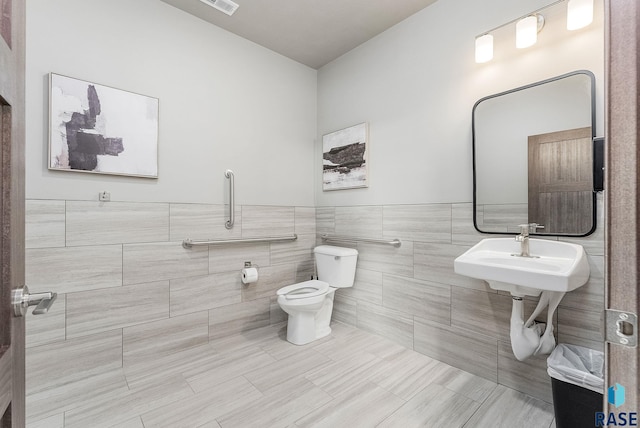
(188, 243)
(395, 242)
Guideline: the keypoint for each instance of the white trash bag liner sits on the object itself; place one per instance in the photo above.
(577, 365)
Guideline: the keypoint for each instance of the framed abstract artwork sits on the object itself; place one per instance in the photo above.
(344, 158)
(99, 129)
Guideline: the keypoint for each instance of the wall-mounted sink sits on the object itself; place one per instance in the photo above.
(528, 267)
(554, 266)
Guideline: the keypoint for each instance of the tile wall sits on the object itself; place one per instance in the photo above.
(412, 295)
(128, 292)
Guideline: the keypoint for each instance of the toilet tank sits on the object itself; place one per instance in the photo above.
(336, 265)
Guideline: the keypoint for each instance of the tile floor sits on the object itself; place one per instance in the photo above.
(257, 379)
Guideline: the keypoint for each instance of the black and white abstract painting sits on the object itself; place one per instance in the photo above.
(99, 129)
(344, 158)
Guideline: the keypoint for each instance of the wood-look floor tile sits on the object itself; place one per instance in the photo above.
(129, 406)
(407, 373)
(341, 377)
(281, 407)
(202, 408)
(365, 406)
(354, 341)
(157, 367)
(280, 371)
(508, 408)
(435, 406)
(226, 366)
(471, 386)
(55, 421)
(70, 395)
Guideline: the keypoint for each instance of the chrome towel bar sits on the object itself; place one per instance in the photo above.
(395, 242)
(188, 243)
(232, 209)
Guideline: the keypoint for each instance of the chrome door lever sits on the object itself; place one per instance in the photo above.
(21, 300)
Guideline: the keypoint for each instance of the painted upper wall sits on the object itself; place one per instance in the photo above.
(225, 103)
(416, 85)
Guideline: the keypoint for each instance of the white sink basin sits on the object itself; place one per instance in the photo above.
(556, 266)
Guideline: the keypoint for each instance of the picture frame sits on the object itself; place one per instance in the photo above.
(345, 162)
(98, 129)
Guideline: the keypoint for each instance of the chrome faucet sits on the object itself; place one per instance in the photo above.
(523, 238)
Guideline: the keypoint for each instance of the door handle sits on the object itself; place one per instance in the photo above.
(21, 300)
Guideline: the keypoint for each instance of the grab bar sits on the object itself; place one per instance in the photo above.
(395, 242)
(232, 212)
(188, 243)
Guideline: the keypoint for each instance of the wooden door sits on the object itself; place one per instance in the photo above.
(622, 189)
(12, 393)
(561, 181)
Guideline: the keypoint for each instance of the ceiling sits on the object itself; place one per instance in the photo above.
(312, 32)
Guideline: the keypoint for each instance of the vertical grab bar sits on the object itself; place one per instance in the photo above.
(232, 215)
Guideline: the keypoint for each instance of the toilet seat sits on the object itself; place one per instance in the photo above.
(303, 290)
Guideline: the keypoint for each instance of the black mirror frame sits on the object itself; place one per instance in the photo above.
(594, 146)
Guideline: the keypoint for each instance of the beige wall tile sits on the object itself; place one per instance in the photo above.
(57, 364)
(325, 220)
(240, 317)
(305, 218)
(344, 310)
(201, 222)
(367, 287)
(388, 323)
(591, 295)
(425, 223)
(473, 352)
(434, 262)
(261, 221)
(65, 270)
(300, 250)
(529, 376)
(95, 311)
(462, 230)
(201, 293)
(270, 279)
(161, 261)
(428, 300)
(485, 313)
(363, 221)
(101, 223)
(49, 328)
(386, 258)
(164, 337)
(579, 323)
(44, 223)
(276, 314)
(231, 257)
(504, 218)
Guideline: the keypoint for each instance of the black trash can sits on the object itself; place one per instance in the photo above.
(577, 376)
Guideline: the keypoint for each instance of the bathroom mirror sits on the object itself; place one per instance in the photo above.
(533, 157)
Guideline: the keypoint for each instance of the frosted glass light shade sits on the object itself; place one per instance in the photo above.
(579, 14)
(527, 32)
(484, 48)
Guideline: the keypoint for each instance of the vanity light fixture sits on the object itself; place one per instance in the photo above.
(527, 30)
(579, 14)
(484, 48)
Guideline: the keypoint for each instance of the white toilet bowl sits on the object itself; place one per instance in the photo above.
(310, 303)
(304, 302)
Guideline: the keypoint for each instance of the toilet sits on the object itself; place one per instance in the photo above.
(309, 304)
